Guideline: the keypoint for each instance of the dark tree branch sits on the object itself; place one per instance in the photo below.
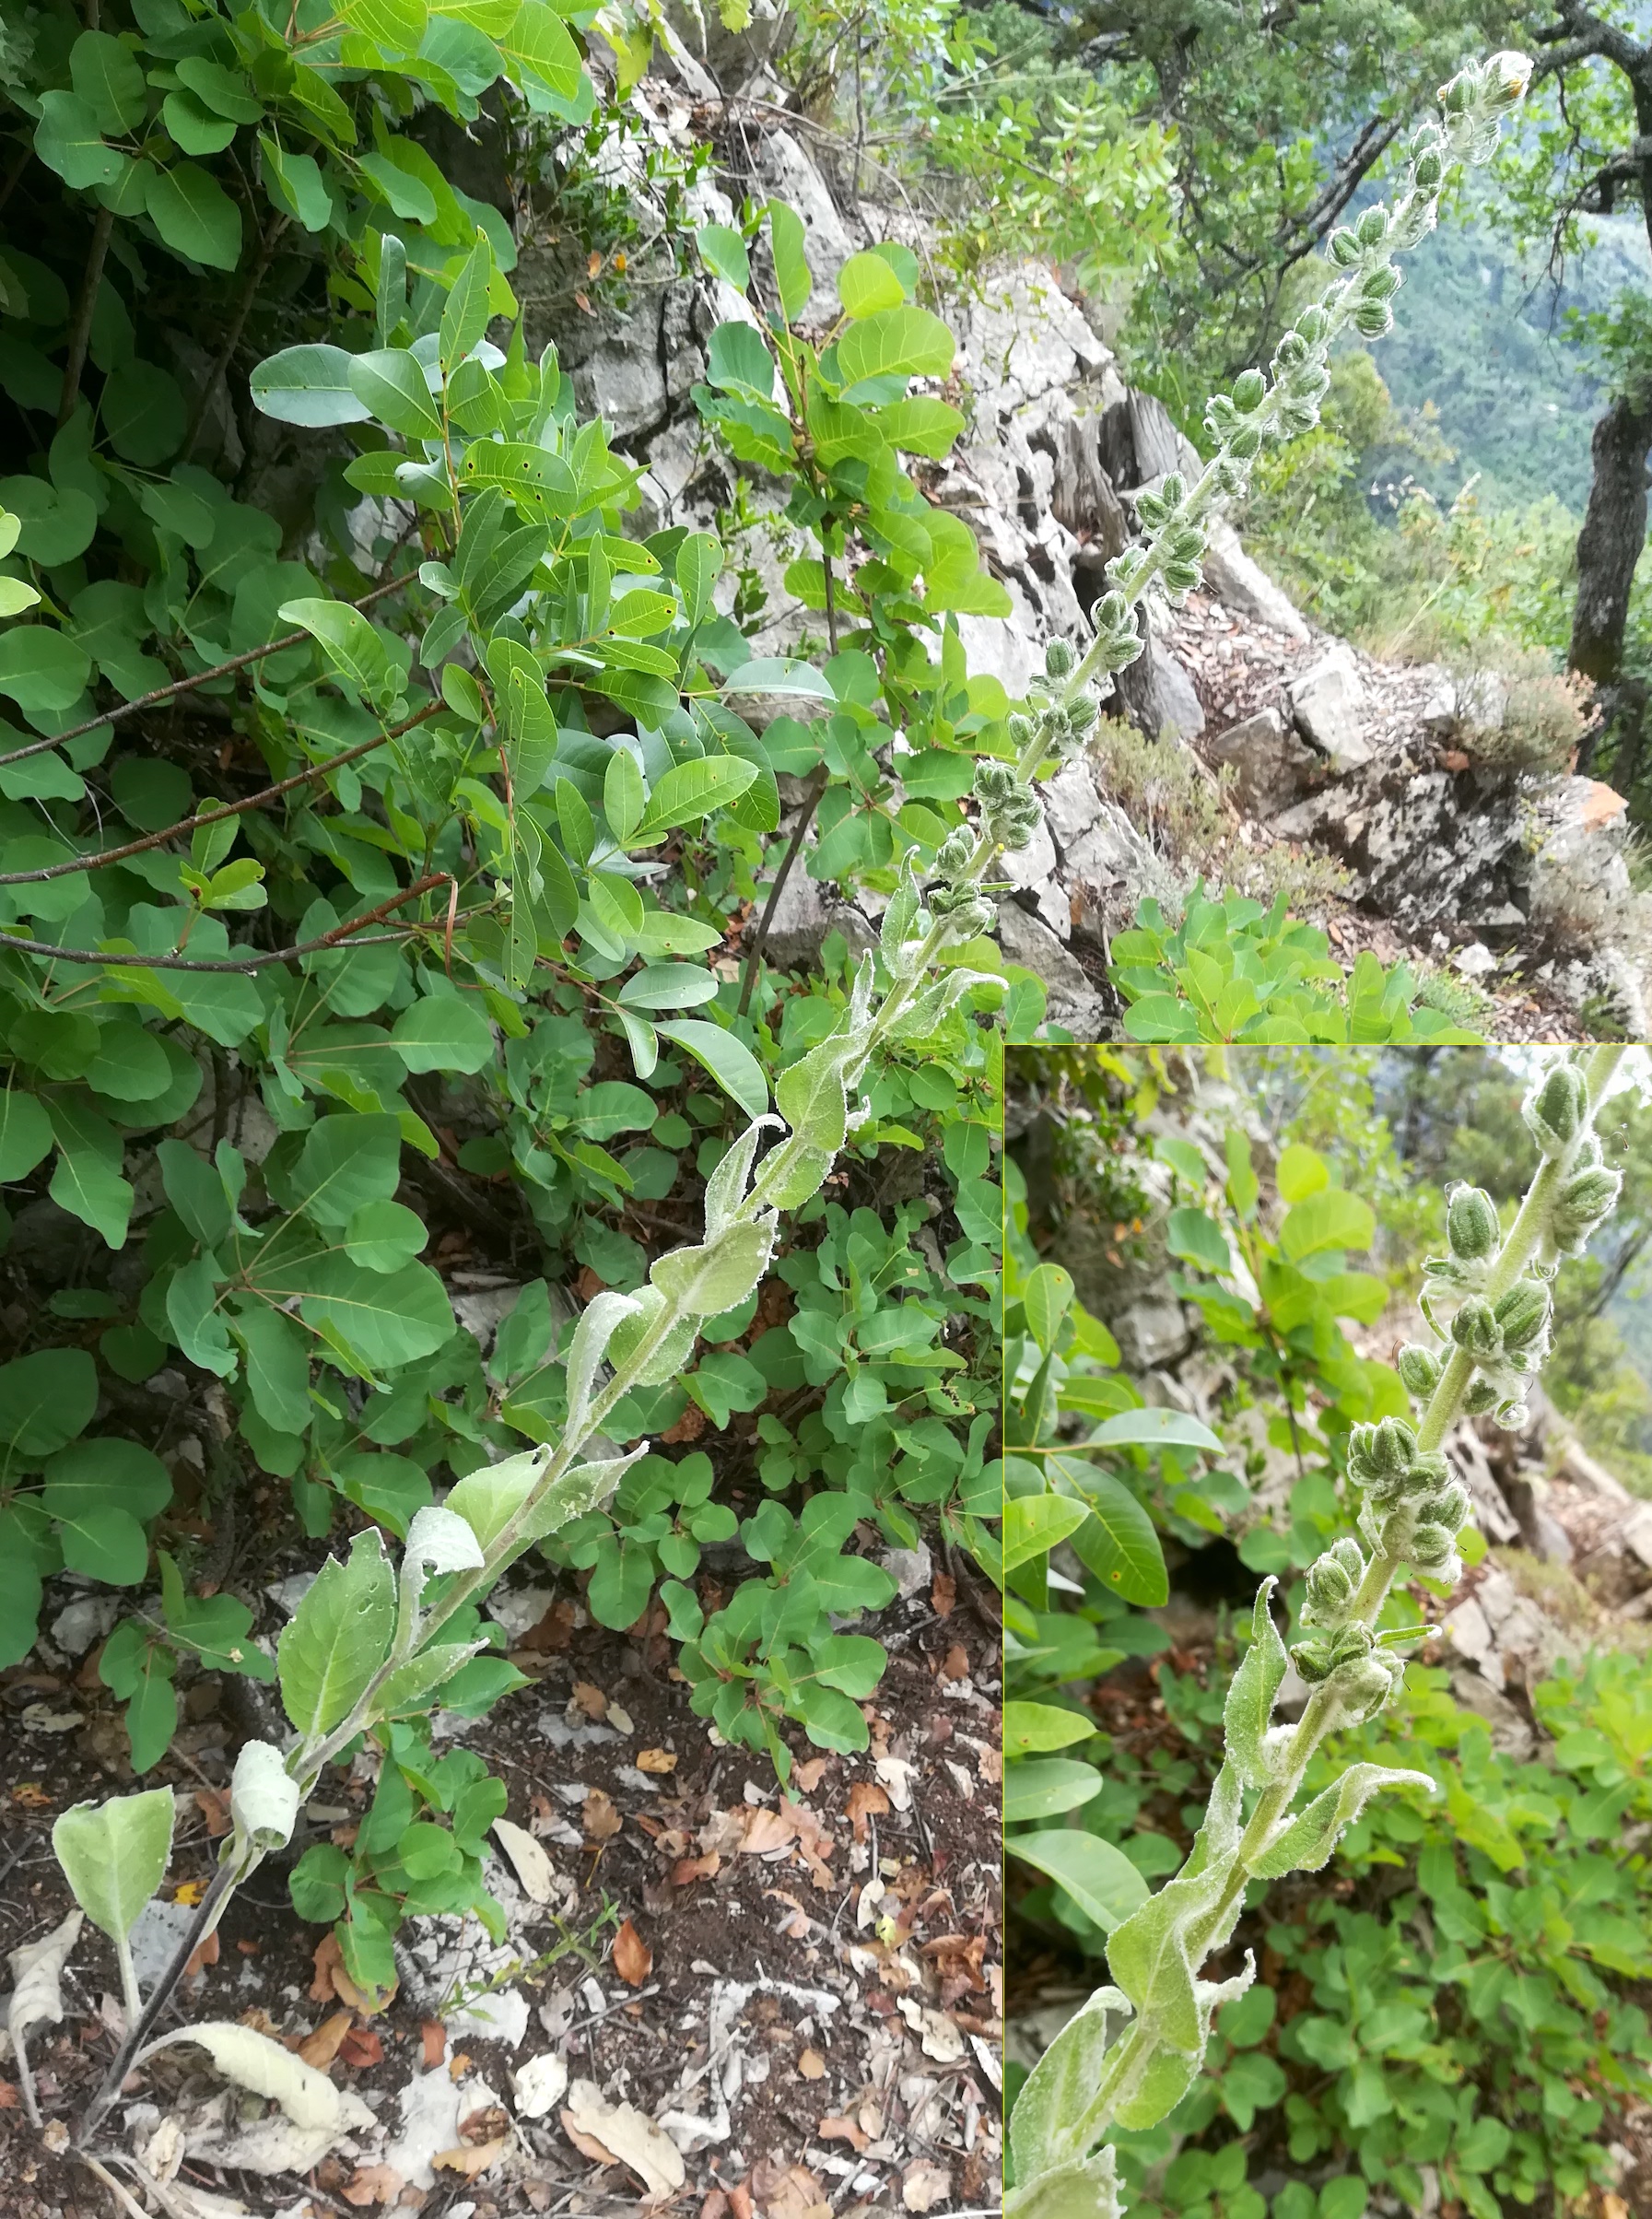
(182, 686)
(106, 856)
(80, 327)
(337, 937)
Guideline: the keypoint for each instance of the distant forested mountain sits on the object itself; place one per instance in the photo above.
(1480, 336)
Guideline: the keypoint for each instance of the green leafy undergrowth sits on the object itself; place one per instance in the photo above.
(1232, 971)
(1459, 1997)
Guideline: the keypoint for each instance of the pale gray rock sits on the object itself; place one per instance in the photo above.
(1152, 1332)
(1140, 444)
(1475, 961)
(800, 924)
(1637, 1533)
(1244, 588)
(1480, 704)
(1328, 703)
(1158, 695)
(1032, 866)
(1272, 766)
(1073, 1002)
(1072, 802)
(1512, 1734)
(1025, 338)
(75, 1630)
(1580, 870)
(1583, 1471)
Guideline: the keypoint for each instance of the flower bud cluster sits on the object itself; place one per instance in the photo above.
(1556, 1110)
(1473, 1236)
(1361, 1674)
(1413, 1509)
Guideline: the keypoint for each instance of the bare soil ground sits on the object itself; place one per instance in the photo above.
(818, 1981)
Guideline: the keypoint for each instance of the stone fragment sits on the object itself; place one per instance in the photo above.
(1073, 1002)
(1151, 1333)
(1158, 695)
(1475, 961)
(1072, 802)
(1274, 767)
(1327, 703)
(1244, 588)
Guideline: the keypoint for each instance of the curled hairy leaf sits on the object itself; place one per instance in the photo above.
(592, 1335)
(1305, 1843)
(252, 2060)
(263, 1797)
(439, 1539)
(1250, 1696)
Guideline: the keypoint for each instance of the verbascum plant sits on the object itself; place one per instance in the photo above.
(373, 1642)
(1488, 1304)
(1282, 404)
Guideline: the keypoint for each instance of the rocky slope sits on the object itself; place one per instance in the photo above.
(1373, 793)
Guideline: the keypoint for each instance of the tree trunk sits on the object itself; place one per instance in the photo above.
(1609, 547)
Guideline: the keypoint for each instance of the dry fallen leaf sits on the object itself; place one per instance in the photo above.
(866, 1801)
(938, 2035)
(471, 2158)
(200, 1958)
(954, 1665)
(619, 2134)
(765, 1831)
(214, 1807)
(809, 1775)
(924, 2185)
(321, 2047)
(788, 2191)
(435, 2038)
(361, 2047)
(332, 1980)
(633, 1959)
(943, 1594)
(656, 1760)
(812, 2065)
(842, 2130)
(599, 1817)
(687, 1870)
(373, 2184)
(533, 1868)
(539, 2084)
(590, 1701)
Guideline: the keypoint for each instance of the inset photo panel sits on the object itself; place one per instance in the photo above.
(1327, 1549)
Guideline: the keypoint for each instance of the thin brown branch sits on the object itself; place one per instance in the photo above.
(244, 308)
(80, 329)
(106, 856)
(201, 677)
(337, 937)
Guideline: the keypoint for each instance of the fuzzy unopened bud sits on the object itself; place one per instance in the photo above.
(1472, 1224)
(1249, 392)
(1385, 1450)
(1419, 1370)
(1333, 1581)
(1474, 1329)
(1059, 660)
(1589, 1194)
(1556, 1107)
(1522, 1314)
